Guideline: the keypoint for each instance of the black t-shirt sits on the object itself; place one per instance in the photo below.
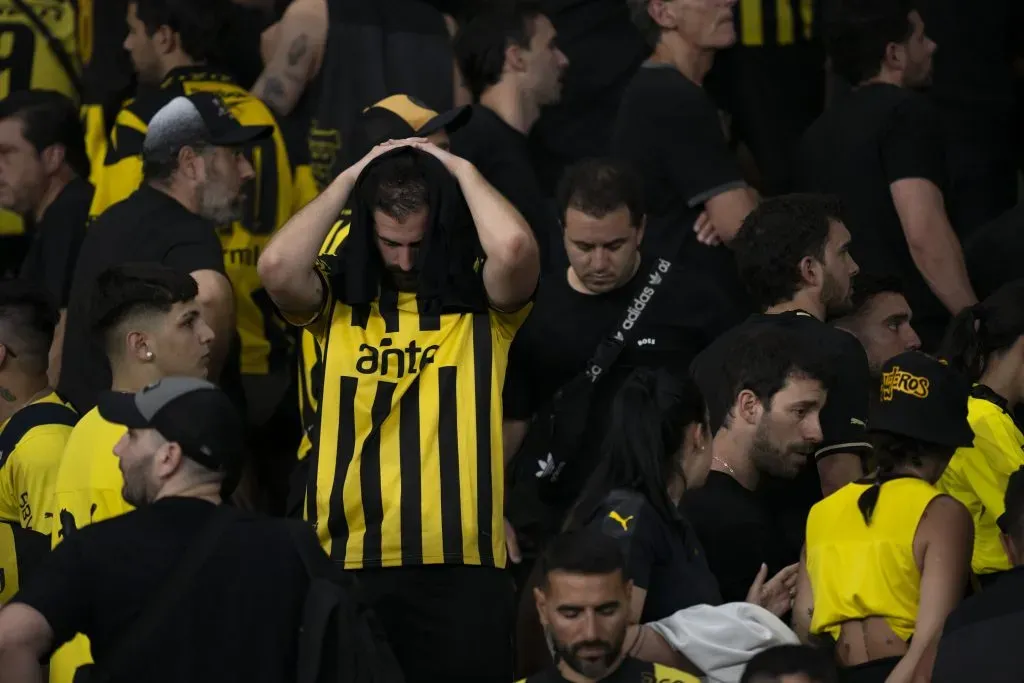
(148, 227)
(663, 557)
(238, 621)
(739, 533)
(500, 153)
(669, 128)
(870, 138)
(56, 241)
(629, 671)
(994, 252)
(843, 419)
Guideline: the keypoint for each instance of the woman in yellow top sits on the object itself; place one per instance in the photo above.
(986, 344)
(886, 558)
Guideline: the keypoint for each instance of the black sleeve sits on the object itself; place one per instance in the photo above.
(845, 415)
(697, 155)
(517, 397)
(59, 590)
(195, 247)
(913, 146)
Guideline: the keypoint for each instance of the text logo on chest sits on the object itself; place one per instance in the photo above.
(387, 360)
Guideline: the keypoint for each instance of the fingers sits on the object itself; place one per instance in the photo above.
(705, 231)
(512, 543)
(755, 593)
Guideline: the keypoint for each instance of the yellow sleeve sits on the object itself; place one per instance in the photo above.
(666, 674)
(1002, 456)
(955, 482)
(34, 464)
(8, 492)
(95, 139)
(507, 324)
(122, 166)
(66, 660)
(9, 574)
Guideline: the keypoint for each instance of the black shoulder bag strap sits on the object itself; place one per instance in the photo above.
(56, 47)
(31, 416)
(169, 594)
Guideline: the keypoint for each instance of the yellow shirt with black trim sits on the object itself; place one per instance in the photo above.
(629, 671)
(977, 476)
(88, 490)
(272, 197)
(311, 368)
(28, 60)
(761, 23)
(408, 468)
(859, 570)
(28, 475)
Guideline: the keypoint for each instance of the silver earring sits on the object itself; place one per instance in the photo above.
(149, 355)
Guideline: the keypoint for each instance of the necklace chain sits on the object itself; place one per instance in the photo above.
(728, 468)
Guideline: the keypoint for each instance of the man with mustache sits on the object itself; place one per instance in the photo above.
(771, 429)
(583, 604)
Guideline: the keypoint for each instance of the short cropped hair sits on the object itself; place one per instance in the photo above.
(583, 551)
(866, 286)
(481, 43)
(770, 665)
(27, 321)
(49, 118)
(397, 186)
(129, 291)
(199, 23)
(598, 187)
(859, 32)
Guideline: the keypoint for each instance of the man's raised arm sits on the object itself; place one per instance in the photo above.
(292, 54)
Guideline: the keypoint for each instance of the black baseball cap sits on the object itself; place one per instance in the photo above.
(402, 116)
(199, 118)
(191, 412)
(923, 398)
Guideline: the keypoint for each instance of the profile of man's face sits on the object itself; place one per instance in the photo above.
(585, 618)
(221, 191)
(840, 269)
(22, 173)
(883, 327)
(789, 430)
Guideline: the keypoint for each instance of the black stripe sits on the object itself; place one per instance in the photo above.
(769, 22)
(336, 522)
(409, 460)
(369, 476)
(482, 387)
(360, 315)
(798, 22)
(389, 309)
(448, 452)
(429, 322)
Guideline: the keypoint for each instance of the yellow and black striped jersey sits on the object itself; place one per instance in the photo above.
(776, 22)
(408, 467)
(272, 198)
(629, 671)
(311, 369)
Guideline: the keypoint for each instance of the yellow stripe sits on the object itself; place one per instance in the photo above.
(751, 22)
(807, 13)
(785, 32)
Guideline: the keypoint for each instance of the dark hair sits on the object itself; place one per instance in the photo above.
(866, 286)
(398, 186)
(983, 329)
(860, 31)
(762, 358)
(27, 321)
(481, 42)
(649, 418)
(49, 118)
(582, 551)
(127, 291)
(775, 237)
(198, 23)
(644, 22)
(598, 187)
(1011, 522)
(890, 451)
(769, 665)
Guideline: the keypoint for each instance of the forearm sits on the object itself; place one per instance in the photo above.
(19, 665)
(504, 233)
(941, 263)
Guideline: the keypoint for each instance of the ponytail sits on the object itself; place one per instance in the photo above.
(891, 450)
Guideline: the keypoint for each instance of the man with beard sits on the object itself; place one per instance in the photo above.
(193, 179)
(793, 254)
(880, 319)
(183, 440)
(777, 381)
(583, 604)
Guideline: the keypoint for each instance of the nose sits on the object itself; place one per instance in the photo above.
(125, 46)
(813, 430)
(406, 260)
(589, 627)
(563, 61)
(854, 268)
(599, 259)
(121, 445)
(245, 168)
(911, 341)
(206, 333)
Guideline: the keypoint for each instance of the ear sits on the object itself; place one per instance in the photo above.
(641, 230)
(191, 164)
(895, 55)
(748, 407)
(168, 459)
(514, 58)
(661, 13)
(138, 347)
(53, 158)
(698, 436)
(165, 40)
(811, 270)
(541, 601)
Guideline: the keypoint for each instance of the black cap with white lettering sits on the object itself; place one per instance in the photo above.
(924, 399)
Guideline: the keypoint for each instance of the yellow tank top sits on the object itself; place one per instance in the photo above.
(859, 570)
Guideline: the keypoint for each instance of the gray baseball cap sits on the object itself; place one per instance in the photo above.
(199, 118)
(191, 412)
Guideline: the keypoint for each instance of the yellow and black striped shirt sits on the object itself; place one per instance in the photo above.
(408, 467)
(273, 197)
(762, 23)
(311, 361)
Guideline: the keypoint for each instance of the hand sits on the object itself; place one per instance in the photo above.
(512, 543)
(451, 162)
(777, 595)
(355, 170)
(706, 233)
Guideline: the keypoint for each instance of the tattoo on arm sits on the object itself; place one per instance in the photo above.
(273, 91)
(297, 49)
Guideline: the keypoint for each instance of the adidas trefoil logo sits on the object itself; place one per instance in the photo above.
(547, 467)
